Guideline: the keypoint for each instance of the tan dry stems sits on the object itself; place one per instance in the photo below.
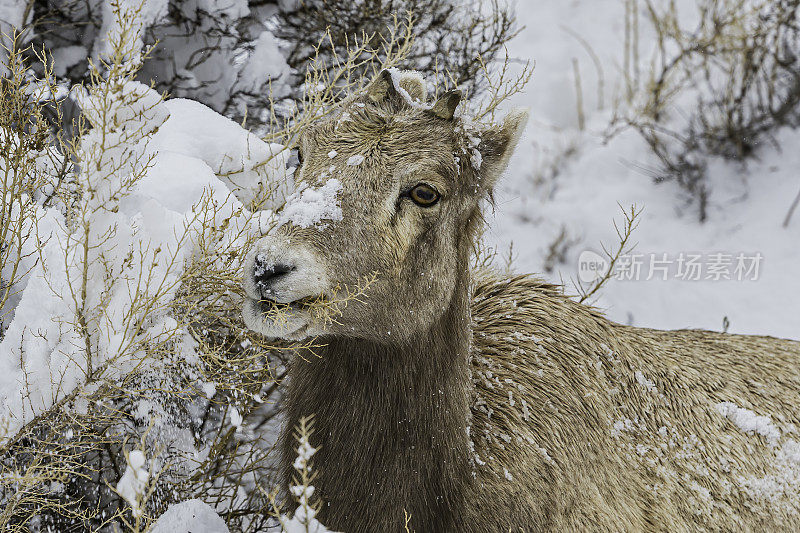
(446, 37)
(407, 518)
(328, 81)
(792, 208)
(330, 77)
(25, 141)
(304, 468)
(107, 85)
(601, 80)
(140, 521)
(631, 69)
(624, 234)
(739, 64)
(324, 308)
(57, 449)
(333, 75)
(579, 95)
(502, 83)
(241, 363)
(558, 249)
(302, 480)
(93, 442)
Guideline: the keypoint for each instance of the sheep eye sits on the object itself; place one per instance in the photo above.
(424, 195)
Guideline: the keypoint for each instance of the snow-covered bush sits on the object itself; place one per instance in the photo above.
(218, 52)
(25, 157)
(718, 87)
(248, 59)
(303, 520)
(447, 36)
(121, 293)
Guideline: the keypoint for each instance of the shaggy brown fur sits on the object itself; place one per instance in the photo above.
(605, 427)
(477, 403)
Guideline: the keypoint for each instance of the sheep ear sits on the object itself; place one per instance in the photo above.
(497, 144)
(445, 106)
(381, 87)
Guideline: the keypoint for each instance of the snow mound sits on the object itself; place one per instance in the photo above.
(238, 158)
(191, 516)
(265, 63)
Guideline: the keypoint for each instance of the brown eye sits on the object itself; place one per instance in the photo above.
(424, 195)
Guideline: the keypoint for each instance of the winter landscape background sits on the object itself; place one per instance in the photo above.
(562, 177)
(121, 288)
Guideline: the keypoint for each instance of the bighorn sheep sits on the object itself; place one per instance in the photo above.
(478, 403)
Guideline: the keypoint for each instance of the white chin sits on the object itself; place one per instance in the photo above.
(292, 326)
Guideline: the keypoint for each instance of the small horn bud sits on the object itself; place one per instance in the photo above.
(445, 106)
(381, 86)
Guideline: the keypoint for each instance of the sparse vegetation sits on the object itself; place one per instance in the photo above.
(447, 38)
(146, 338)
(718, 89)
(249, 60)
(612, 255)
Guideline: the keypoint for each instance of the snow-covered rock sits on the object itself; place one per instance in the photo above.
(265, 62)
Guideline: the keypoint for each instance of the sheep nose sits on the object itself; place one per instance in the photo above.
(267, 272)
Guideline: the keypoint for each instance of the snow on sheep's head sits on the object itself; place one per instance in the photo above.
(389, 197)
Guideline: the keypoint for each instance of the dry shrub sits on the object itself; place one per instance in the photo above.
(204, 49)
(718, 89)
(448, 36)
(135, 372)
(25, 146)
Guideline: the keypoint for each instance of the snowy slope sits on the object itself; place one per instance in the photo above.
(562, 178)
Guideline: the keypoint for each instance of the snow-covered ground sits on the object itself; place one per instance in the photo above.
(562, 178)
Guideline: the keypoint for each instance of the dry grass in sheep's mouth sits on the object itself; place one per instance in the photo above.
(307, 303)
